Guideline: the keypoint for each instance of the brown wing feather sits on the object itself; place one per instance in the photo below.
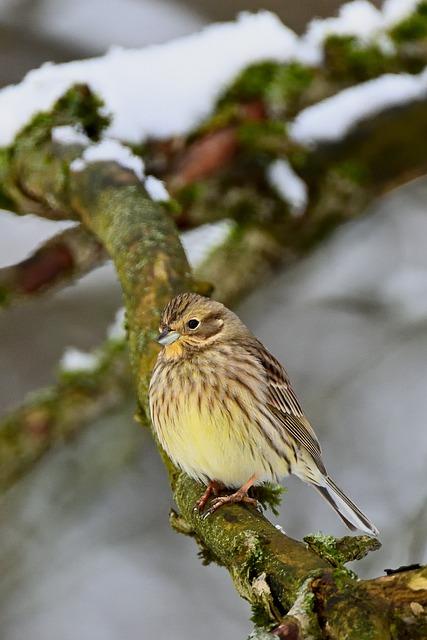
(284, 404)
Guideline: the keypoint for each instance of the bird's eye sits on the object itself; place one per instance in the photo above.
(193, 323)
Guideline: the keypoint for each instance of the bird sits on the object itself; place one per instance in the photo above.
(224, 410)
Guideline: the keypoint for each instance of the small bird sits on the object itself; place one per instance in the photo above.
(224, 410)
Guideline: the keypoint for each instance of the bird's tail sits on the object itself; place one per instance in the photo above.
(345, 508)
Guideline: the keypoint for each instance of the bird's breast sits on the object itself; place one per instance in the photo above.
(208, 420)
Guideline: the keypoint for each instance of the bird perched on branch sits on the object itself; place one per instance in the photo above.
(225, 412)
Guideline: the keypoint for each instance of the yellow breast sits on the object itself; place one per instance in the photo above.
(211, 427)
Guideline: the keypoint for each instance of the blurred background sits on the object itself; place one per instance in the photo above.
(85, 546)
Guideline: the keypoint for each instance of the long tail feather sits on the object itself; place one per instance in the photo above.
(325, 494)
(346, 509)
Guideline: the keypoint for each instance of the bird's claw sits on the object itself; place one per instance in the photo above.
(214, 487)
(234, 498)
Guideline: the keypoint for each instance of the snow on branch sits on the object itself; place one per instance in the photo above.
(358, 18)
(185, 77)
(333, 118)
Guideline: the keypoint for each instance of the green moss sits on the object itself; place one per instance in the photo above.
(347, 59)
(4, 296)
(324, 545)
(269, 495)
(260, 616)
(225, 114)
(179, 524)
(342, 577)
(412, 28)
(191, 194)
(5, 201)
(172, 207)
(77, 105)
(287, 85)
(81, 105)
(339, 551)
(267, 137)
(353, 170)
(254, 556)
(277, 85)
(251, 84)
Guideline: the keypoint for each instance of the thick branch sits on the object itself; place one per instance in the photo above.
(385, 608)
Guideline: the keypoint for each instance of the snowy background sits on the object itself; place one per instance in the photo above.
(85, 546)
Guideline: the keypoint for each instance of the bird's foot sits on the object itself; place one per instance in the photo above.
(214, 487)
(234, 498)
(240, 496)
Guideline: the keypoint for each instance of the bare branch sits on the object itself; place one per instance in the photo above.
(58, 262)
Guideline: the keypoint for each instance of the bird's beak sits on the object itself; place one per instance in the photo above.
(168, 336)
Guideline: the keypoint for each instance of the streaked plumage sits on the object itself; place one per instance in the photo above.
(224, 409)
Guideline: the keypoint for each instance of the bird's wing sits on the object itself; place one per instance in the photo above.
(284, 404)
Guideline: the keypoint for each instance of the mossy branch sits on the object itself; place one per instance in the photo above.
(51, 416)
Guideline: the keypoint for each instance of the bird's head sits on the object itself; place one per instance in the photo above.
(192, 323)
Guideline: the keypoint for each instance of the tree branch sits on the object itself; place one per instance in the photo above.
(51, 416)
(58, 262)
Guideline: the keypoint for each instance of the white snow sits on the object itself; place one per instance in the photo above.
(156, 189)
(113, 150)
(359, 18)
(106, 150)
(165, 90)
(160, 91)
(116, 331)
(19, 235)
(396, 10)
(288, 185)
(76, 360)
(332, 118)
(198, 243)
(69, 134)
